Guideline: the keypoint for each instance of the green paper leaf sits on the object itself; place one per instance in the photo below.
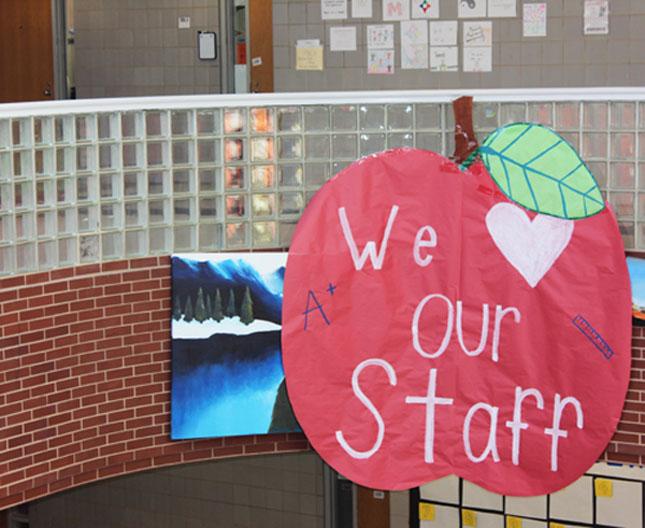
(538, 169)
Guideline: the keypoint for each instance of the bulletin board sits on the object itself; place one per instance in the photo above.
(497, 44)
(608, 495)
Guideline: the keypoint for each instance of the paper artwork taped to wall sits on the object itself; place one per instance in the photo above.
(333, 9)
(380, 36)
(596, 17)
(502, 8)
(443, 32)
(478, 33)
(471, 9)
(444, 59)
(471, 320)
(478, 58)
(534, 20)
(227, 377)
(361, 8)
(414, 44)
(396, 9)
(425, 8)
(380, 62)
(342, 38)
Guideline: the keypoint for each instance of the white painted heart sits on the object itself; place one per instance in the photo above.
(530, 246)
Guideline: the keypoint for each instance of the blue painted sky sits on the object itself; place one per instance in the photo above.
(636, 268)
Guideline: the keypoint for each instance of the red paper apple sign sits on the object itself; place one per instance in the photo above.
(431, 327)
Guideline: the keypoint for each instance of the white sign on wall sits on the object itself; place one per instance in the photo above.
(596, 17)
(396, 9)
(443, 33)
(362, 8)
(472, 8)
(333, 9)
(342, 38)
(502, 8)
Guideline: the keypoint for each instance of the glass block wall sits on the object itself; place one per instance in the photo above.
(100, 185)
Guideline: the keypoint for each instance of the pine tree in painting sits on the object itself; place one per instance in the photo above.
(188, 311)
(209, 307)
(230, 307)
(218, 315)
(176, 309)
(246, 311)
(200, 307)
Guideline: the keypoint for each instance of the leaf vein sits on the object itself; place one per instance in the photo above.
(525, 131)
(564, 202)
(508, 179)
(544, 175)
(528, 184)
(549, 149)
(573, 171)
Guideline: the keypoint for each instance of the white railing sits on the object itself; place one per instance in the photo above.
(95, 180)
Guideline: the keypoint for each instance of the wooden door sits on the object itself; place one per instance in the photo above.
(373, 508)
(26, 51)
(260, 55)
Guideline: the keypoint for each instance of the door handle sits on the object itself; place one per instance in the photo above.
(48, 90)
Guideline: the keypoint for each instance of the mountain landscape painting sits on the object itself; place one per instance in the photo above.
(227, 376)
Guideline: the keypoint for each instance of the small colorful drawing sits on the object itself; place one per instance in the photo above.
(380, 36)
(396, 9)
(425, 9)
(380, 62)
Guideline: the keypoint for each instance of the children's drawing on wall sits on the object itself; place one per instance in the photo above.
(425, 9)
(380, 62)
(596, 17)
(342, 38)
(361, 8)
(333, 9)
(502, 8)
(443, 33)
(227, 376)
(380, 36)
(478, 59)
(478, 33)
(444, 59)
(534, 20)
(396, 9)
(472, 8)
(414, 44)
(636, 267)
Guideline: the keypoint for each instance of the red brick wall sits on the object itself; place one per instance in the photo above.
(628, 444)
(85, 380)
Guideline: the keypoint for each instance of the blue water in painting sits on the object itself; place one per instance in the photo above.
(227, 398)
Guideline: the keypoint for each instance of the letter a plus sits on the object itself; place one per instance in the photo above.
(318, 307)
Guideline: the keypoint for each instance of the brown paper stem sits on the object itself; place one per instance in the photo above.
(465, 140)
